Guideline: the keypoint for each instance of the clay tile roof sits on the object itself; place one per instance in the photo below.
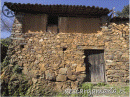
(117, 19)
(67, 10)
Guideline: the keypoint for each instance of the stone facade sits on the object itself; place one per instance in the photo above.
(58, 58)
(117, 53)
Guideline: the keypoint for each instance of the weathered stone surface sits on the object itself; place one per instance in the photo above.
(32, 73)
(63, 70)
(74, 85)
(61, 77)
(49, 75)
(58, 86)
(55, 66)
(72, 77)
(79, 69)
(65, 86)
(39, 55)
(69, 72)
(81, 77)
(41, 40)
(74, 64)
(42, 66)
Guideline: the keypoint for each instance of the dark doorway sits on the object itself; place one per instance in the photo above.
(52, 24)
(52, 20)
(95, 67)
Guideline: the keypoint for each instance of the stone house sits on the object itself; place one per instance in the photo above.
(67, 45)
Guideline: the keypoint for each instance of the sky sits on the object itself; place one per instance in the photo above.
(118, 4)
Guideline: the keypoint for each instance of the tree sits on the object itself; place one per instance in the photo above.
(124, 13)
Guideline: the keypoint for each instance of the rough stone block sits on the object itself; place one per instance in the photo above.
(63, 71)
(72, 77)
(61, 77)
(42, 66)
(58, 86)
(49, 75)
(79, 69)
(74, 85)
(81, 77)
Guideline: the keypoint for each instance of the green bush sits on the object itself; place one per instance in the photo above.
(5, 63)
(17, 69)
(4, 47)
(124, 12)
(5, 41)
(126, 89)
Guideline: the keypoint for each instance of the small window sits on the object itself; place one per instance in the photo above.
(21, 47)
(64, 49)
(52, 20)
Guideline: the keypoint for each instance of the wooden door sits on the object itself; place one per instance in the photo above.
(95, 60)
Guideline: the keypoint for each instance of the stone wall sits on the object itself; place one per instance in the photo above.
(58, 58)
(116, 40)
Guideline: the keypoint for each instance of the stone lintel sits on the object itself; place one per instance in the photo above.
(90, 47)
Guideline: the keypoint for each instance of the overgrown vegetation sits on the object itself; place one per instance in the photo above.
(15, 83)
(4, 47)
(12, 83)
(5, 41)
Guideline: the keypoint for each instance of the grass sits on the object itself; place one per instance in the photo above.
(99, 89)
